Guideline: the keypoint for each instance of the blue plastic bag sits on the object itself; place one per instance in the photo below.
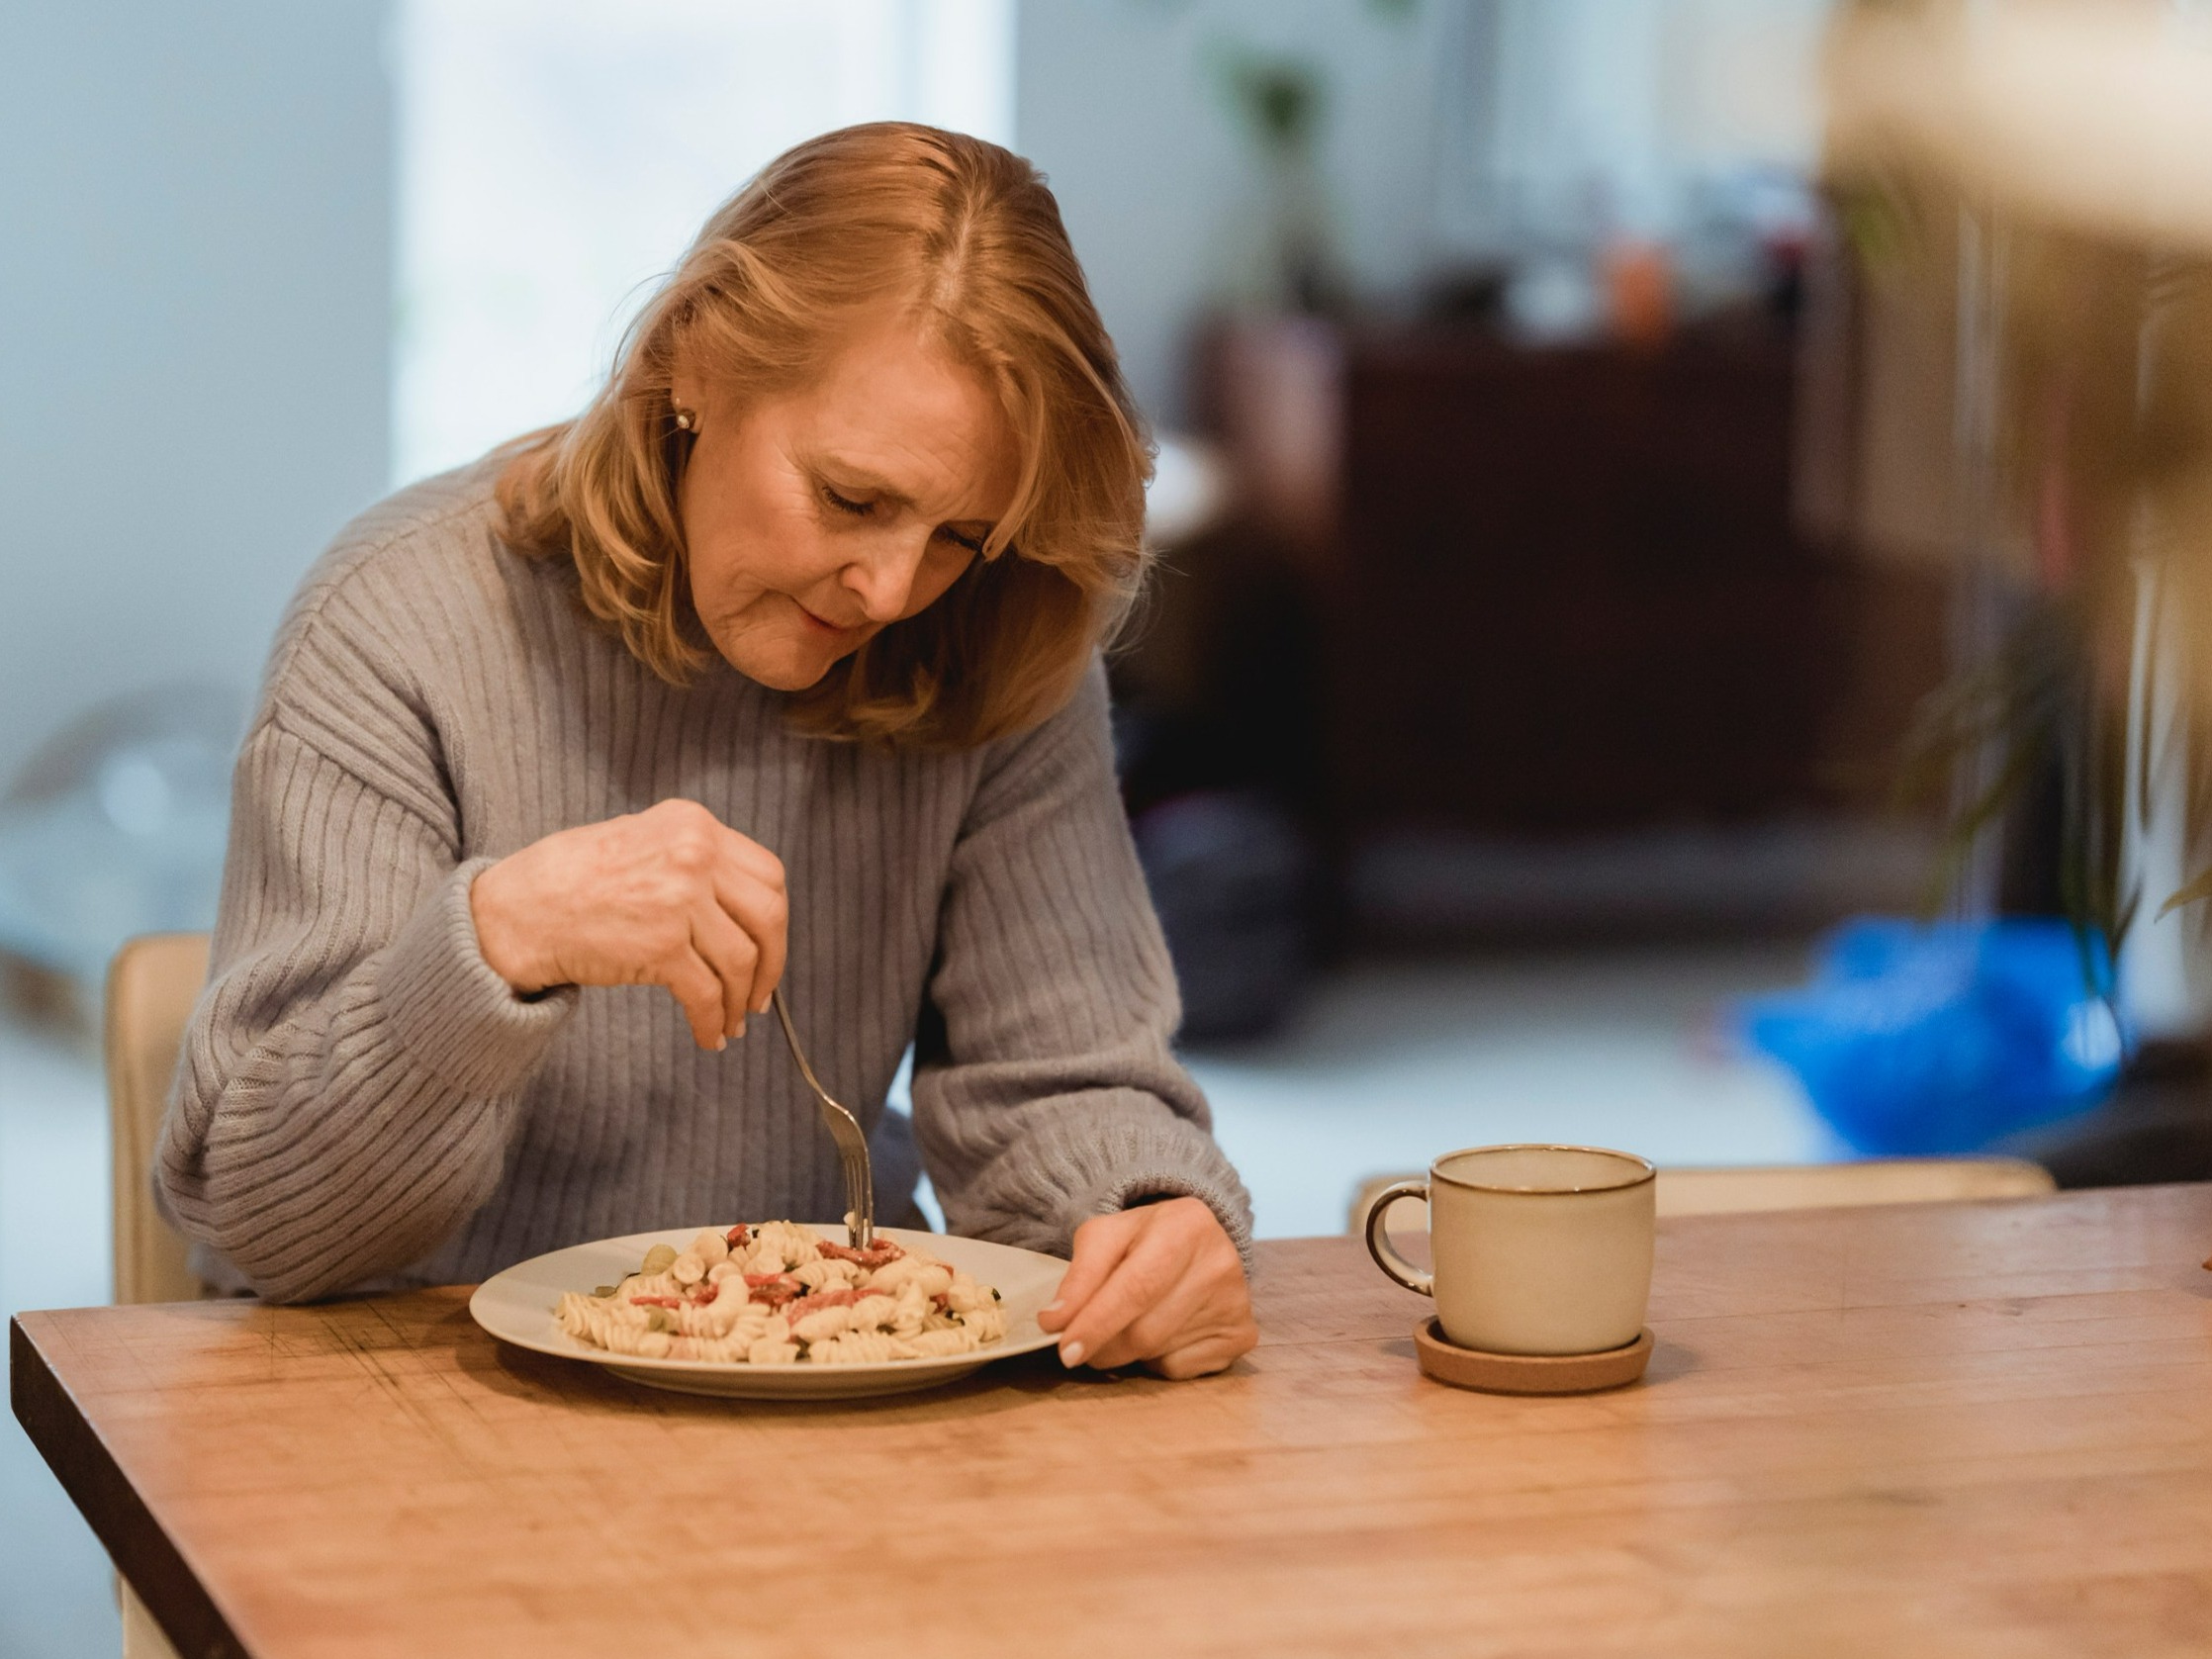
(1917, 1038)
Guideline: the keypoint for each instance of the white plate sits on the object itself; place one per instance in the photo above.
(516, 1307)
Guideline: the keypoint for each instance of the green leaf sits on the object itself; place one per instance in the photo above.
(2201, 887)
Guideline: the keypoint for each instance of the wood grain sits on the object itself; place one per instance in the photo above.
(1977, 1429)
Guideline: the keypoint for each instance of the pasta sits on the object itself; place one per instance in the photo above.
(778, 1294)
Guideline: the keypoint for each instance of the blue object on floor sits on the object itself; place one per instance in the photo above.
(1917, 1038)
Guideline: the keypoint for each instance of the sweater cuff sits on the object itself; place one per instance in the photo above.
(1126, 1189)
(451, 1014)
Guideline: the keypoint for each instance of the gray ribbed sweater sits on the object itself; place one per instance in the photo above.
(363, 1100)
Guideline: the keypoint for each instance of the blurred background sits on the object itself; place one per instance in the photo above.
(1648, 501)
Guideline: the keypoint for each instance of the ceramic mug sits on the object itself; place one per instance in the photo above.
(1537, 1250)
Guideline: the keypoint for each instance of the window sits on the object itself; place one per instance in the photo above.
(556, 155)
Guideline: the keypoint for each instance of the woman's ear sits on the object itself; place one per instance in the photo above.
(684, 388)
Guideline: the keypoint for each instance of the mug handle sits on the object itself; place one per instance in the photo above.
(1383, 1250)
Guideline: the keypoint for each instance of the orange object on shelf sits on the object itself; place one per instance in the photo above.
(1639, 292)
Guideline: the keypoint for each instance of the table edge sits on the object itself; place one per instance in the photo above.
(146, 1557)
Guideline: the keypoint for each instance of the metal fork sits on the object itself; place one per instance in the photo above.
(851, 1143)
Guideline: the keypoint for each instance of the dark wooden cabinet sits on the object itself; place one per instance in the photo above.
(1561, 590)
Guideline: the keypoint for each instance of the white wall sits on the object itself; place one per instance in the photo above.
(195, 317)
(1119, 101)
(1449, 121)
(1598, 117)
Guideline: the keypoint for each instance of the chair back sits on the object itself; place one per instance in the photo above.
(153, 985)
(1740, 1189)
(1723, 1191)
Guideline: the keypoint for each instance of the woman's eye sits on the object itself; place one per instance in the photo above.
(844, 504)
(974, 544)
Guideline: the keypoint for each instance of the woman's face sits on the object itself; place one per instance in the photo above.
(815, 518)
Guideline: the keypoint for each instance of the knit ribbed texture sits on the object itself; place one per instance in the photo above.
(363, 1101)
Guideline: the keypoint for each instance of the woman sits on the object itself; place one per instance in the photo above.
(778, 664)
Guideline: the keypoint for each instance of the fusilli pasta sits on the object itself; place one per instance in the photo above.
(778, 1294)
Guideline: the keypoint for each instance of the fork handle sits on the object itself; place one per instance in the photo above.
(790, 1037)
(859, 1175)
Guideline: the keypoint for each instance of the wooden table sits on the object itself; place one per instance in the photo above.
(1938, 1429)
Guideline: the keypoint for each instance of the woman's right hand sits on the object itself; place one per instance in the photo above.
(667, 896)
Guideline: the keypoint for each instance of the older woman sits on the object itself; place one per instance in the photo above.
(778, 664)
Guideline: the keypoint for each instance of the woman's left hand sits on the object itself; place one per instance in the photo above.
(1160, 1283)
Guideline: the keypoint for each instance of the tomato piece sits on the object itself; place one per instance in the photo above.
(881, 1253)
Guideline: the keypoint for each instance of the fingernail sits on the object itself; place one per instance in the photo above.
(761, 1007)
(741, 1028)
(1050, 1308)
(721, 1043)
(1072, 1354)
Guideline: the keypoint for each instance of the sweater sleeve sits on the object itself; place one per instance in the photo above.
(1044, 1088)
(351, 1075)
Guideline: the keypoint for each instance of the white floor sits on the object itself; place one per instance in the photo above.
(1392, 1063)
(1387, 1065)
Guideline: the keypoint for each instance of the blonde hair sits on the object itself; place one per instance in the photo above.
(966, 235)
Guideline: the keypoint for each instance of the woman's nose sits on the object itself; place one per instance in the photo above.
(883, 582)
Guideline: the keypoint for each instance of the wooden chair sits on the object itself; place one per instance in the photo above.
(153, 985)
(1730, 1190)
(1716, 1191)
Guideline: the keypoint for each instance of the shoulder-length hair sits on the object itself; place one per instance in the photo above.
(966, 235)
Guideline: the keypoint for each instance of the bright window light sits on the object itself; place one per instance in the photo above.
(556, 155)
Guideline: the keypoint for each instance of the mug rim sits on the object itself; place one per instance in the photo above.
(1650, 1171)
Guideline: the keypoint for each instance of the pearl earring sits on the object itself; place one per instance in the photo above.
(686, 420)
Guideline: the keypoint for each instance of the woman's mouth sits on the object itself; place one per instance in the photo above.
(820, 623)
